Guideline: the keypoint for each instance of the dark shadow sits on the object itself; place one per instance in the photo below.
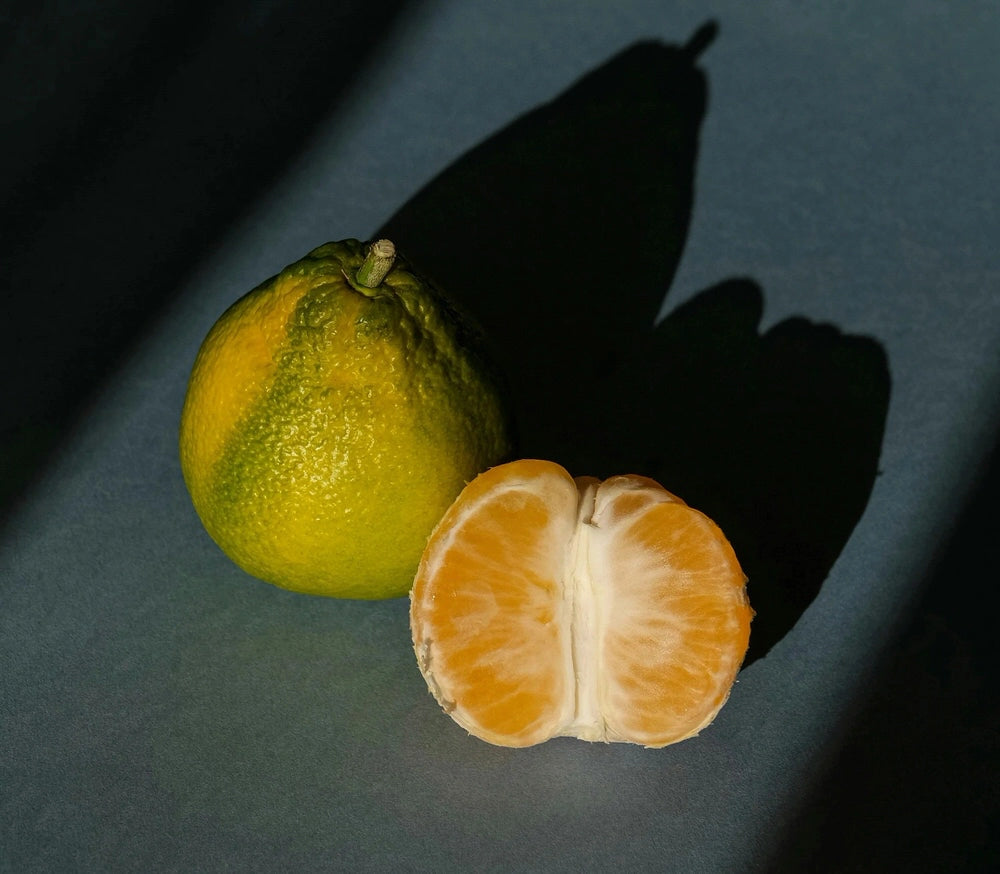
(775, 435)
(561, 234)
(913, 786)
(142, 132)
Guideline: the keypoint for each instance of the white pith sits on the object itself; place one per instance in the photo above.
(585, 614)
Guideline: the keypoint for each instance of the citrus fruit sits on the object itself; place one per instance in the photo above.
(332, 415)
(607, 611)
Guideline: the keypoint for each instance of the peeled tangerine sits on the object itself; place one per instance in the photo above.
(609, 611)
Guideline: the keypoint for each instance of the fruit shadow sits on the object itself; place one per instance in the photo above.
(561, 234)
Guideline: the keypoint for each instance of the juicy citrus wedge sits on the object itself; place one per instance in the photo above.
(609, 611)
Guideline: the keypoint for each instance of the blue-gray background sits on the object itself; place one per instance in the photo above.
(806, 210)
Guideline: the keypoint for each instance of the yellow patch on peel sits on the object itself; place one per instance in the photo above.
(234, 369)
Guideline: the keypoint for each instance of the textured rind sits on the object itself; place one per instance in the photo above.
(326, 431)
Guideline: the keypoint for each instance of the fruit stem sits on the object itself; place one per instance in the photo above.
(378, 262)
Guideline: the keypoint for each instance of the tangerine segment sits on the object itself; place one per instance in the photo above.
(487, 607)
(677, 619)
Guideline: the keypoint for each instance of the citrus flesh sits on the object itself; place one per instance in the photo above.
(328, 425)
(609, 611)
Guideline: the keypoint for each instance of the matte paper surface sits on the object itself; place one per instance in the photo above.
(748, 250)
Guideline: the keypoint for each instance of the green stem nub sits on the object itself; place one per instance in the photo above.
(378, 262)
